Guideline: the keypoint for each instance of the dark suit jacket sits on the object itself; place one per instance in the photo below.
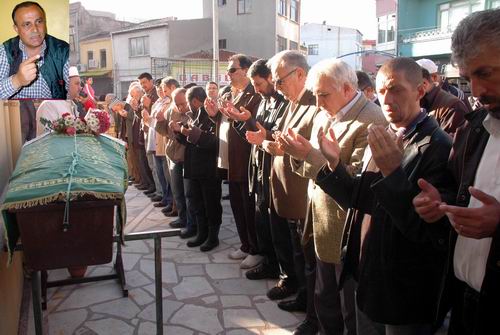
(289, 190)
(448, 110)
(402, 260)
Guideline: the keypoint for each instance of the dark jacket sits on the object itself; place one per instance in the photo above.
(448, 110)
(259, 167)
(238, 147)
(55, 57)
(200, 156)
(468, 148)
(403, 257)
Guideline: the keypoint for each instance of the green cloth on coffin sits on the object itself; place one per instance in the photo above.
(41, 175)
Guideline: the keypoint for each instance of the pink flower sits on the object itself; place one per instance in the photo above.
(71, 131)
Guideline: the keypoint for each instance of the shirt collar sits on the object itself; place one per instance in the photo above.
(406, 131)
(22, 47)
(301, 94)
(343, 111)
(492, 125)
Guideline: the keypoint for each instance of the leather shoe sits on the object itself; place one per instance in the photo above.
(177, 224)
(262, 271)
(306, 328)
(150, 190)
(292, 306)
(167, 209)
(157, 198)
(282, 290)
(187, 233)
(142, 187)
(159, 204)
(171, 214)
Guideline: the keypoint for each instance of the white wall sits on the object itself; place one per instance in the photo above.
(332, 41)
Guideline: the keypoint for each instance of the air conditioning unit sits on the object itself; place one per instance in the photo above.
(93, 64)
(81, 67)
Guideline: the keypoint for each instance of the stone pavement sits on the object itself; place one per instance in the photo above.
(203, 293)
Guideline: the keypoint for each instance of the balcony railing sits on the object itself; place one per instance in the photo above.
(427, 35)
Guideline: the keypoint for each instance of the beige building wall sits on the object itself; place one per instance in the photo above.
(11, 278)
(96, 46)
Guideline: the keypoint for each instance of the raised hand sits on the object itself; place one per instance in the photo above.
(427, 202)
(477, 222)
(387, 151)
(239, 115)
(174, 126)
(294, 144)
(272, 148)
(211, 107)
(329, 147)
(27, 72)
(256, 137)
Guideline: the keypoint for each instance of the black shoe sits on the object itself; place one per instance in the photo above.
(200, 238)
(177, 224)
(306, 328)
(212, 240)
(151, 195)
(292, 306)
(187, 233)
(159, 204)
(167, 209)
(282, 290)
(142, 187)
(171, 214)
(262, 271)
(225, 197)
(157, 198)
(150, 191)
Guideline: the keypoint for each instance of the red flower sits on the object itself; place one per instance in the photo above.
(71, 131)
(65, 114)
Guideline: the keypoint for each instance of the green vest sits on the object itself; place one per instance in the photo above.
(56, 55)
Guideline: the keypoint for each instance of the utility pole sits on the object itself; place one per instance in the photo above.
(215, 33)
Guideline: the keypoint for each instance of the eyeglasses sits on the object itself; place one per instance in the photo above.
(280, 82)
(233, 69)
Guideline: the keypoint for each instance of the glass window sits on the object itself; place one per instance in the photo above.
(313, 49)
(495, 4)
(294, 45)
(282, 43)
(294, 10)
(222, 3)
(391, 27)
(102, 58)
(139, 46)
(382, 25)
(223, 44)
(90, 55)
(282, 8)
(244, 6)
(450, 14)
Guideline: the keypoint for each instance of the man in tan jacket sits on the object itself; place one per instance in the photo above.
(348, 113)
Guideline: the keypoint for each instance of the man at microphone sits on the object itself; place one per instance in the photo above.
(33, 64)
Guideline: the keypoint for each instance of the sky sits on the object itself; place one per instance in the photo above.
(359, 14)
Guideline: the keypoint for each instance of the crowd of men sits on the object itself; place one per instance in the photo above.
(343, 191)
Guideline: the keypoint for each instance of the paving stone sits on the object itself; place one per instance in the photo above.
(276, 316)
(242, 332)
(277, 331)
(136, 279)
(202, 319)
(130, 260)
(140, 296)
(169, 245)
(233, 240)
(169, 307)
(190, 270)
(136, 247)
(242, 318)
(110, 327)
(124, 308)
(225, 233)
(192, 287)
(168, 273)
(210, 299)
(84, 331)
(152, 290)
(240, 286)
(149, 328)
(97, 316)
(90, 294)
(260, 298)
(221, 257)
(223, 271)
(66, 322)
(235, 301)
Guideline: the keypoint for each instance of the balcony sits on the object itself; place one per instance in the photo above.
(425, 42)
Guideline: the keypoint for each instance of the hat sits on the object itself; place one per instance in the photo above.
(73, 71)
(428, 65)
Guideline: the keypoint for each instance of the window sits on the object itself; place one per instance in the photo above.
(222, 3)
(451, 13)
(294, 45)
(282, 43)
(244, 6)
(90, 55)
(294, 10)
(313, 49)
(282, 8)
(223, 44)
(495, 4)
(386, 28)
(102, 54)
(139, 46)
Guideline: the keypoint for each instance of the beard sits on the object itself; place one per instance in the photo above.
(492, 104)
